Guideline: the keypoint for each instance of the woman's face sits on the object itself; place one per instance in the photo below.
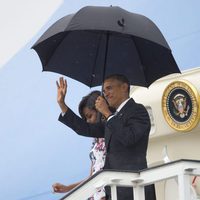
(90, 115)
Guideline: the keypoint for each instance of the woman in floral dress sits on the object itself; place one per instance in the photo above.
(98, 151)
(97, 157)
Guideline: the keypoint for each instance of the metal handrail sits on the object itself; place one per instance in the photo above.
(180, 169)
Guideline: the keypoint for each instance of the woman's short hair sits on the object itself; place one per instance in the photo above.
(89, 102)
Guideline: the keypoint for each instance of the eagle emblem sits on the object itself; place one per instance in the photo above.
(180, 105)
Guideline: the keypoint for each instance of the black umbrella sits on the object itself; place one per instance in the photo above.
(98, 41)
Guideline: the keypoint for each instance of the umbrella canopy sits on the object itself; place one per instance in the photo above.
(98, 41)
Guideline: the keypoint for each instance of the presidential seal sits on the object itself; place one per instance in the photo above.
(180, 105)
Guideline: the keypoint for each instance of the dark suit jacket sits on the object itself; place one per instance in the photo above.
(126, 137)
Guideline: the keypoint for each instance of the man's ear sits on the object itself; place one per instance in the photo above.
(125, 87)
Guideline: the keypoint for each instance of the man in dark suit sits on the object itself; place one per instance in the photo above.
(126, 132)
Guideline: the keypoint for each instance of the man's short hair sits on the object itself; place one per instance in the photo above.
(119, 77)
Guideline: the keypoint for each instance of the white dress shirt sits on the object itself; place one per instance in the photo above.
(118, 109)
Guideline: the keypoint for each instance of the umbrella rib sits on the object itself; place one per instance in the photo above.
(139, 57)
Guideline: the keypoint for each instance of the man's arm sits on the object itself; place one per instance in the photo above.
(80, 126)
(61, 93)
(69, 118)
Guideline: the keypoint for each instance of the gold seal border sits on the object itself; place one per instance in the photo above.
(195, 98)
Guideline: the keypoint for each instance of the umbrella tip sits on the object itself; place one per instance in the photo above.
(121, 22)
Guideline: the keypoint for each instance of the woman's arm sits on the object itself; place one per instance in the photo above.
(60, 188)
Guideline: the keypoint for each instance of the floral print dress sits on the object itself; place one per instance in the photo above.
(97, 156)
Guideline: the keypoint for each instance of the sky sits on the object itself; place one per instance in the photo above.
(35, 149)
